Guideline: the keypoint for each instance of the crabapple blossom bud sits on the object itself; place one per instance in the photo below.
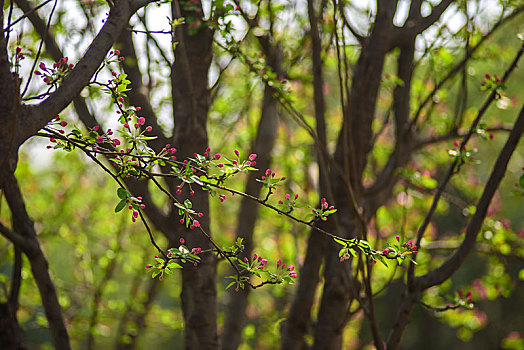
(141, 120)
(397, 237)
(200, 215)
(287, 196)
(264, 261)
(99, 139)
(252, 156)
(117, 52)
(291, 267)
(385, 251)
(149, 128)
(135, 213)
(148, 266)
(217, 156)
(182, 241)
(237, 152)
(196, 223)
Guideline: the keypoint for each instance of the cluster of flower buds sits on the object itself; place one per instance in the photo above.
(324, 211)
(493, 83)
(467, 297)
(19, 55)
(114, 56)
(284, 271)
(408, 245)
(288, 202)
(134, 204)
(52, 75)
(257, 263)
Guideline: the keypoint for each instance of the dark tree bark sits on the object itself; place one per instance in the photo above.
(191, 100)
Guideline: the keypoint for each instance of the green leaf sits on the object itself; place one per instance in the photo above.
(156, 273)
(120, 205)
(122, 193)
(230, 284)
(174, 265)
(339, 241)
(381, 259)
(521, 181)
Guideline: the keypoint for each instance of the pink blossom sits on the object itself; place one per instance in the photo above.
(252, 156)
(148, 266)
(217, 156)
(149, 128)
(63, 123)
(196, 223)
(116, 142)
(237, 152)
(182, 241)
(141, 120)
(99, 139)
(385, 251)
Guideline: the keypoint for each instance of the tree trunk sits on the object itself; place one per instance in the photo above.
(191, 101)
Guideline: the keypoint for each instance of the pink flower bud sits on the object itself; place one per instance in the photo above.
(135, 213)
(252, 156)
(99, 139)
(149, 128)
(117, 52)
(291, 267)
(217, 156)
(63, 123)
(182, 241)
(149, 266)
(196, 223)
(385, 251)
(397, 237)
(141, 120)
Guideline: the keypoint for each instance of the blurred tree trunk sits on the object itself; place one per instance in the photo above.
(191, 100)
(265, 139)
